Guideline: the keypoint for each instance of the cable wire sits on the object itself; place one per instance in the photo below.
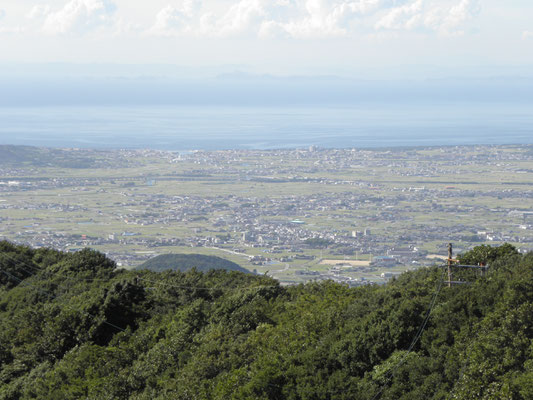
(206, 288)
(140, 278)
(392, 372)
(51, 296)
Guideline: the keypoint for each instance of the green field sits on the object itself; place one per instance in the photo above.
(153, 202)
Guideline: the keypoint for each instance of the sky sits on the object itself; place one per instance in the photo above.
(264, 52)
(74, 66)
(359, 38)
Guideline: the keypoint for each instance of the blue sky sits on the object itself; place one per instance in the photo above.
(372, 39)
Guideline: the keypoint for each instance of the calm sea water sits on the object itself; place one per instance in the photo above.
(187, 128)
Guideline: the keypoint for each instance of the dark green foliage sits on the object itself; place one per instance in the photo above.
(16, 264)
(185, 262)
(74, 328)
(486, 254)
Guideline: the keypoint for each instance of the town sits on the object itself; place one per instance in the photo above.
(356, 216)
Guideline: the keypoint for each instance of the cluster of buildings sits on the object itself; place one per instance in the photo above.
(393, 207)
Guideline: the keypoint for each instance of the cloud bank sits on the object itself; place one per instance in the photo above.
(434, 16)
(262, 18)
(76, 16)
(315, 18)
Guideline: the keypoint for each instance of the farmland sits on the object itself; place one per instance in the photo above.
(280, 212)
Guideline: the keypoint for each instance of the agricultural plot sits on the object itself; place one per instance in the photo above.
(292, 214)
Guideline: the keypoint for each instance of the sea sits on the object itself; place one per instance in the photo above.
(185, 128)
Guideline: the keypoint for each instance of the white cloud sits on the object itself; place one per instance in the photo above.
(2, 13)
(444, 17)
(173, 20)
(38, 11)
(329, 18)
(244, 16)
(527, 35)
(265, 18)
(325, 18)
(79, 16)
(314, 18)
(451, 20)
(404, 17)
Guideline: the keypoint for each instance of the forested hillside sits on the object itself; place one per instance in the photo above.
(72, 326)
(185, 262)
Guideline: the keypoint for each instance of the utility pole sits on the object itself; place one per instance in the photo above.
(455, 264)
(450, 257)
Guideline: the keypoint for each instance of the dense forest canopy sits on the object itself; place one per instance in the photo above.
(73, 326)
